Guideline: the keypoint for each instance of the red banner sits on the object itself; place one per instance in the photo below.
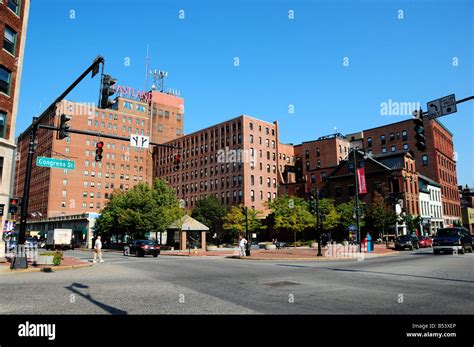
(361, 181)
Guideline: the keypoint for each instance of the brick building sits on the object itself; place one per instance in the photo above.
(58, 192)
(437, 163)
(237, 161)
(13, 25)
(392, 175)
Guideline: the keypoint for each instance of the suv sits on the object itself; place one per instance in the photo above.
(407, 241)
(457, 239)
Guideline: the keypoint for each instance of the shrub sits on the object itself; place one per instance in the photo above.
(57, 257)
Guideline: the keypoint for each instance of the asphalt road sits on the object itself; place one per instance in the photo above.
(413, 282)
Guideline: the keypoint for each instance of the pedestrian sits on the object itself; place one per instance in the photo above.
(98, 250)
(242, 245)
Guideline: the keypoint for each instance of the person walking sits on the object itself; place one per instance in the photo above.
(242, 245)
(98, 250)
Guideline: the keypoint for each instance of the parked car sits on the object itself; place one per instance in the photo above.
(425, 241)
(407, 241)
(452, 239)
(141, 248)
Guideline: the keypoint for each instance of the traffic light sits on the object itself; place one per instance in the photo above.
(64, 126)
(312, 206)
(177, 161)
(419, 130)
(106, 90)
(14, 203)
(99, 149)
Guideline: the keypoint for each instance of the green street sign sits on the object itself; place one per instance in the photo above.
(55, 163)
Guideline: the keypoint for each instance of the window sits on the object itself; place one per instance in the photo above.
(351, 167)
(14, 5)
(405, 146)
(3, 124)
(167, 114)
(393, 148)
(9, 40)
(392, 136)
(338, 192)
(382, 139)
(424, 158)
(5, 80)
(404, 135)
(369, 142)
(384, 149)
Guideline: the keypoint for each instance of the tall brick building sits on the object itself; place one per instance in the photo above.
(13, 25)
(57, 192)
(237, 161)
(437, 163)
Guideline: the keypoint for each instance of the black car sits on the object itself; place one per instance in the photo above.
(407, 241)
(457, 239)
(141, 248)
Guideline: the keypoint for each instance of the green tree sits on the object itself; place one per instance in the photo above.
(234, 220)
(292, 214)
(211, 213)
(379, 217)
(139, 210)
(331, 216)
(413, 223)
(346, 211)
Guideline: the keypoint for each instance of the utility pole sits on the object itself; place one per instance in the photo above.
(247, 249)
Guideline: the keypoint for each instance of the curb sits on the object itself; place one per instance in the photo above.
(36, 269)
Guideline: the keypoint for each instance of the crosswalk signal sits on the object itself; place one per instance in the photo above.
(176, 161)
(419, 130)
(106, 90)
(64, 126)
(99, 149)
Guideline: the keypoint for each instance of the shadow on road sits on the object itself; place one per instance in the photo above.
(399, 274)
(107, 308)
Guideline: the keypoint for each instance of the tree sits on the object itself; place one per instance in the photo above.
(234, 220)
(139, 210)
(331, 216)
(413, 223)
(211, 213)
(346, 211)
(292, 214)
(379, 216)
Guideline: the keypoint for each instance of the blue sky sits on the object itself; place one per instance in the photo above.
(283, 61)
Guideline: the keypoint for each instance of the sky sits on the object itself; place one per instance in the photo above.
(313, 66)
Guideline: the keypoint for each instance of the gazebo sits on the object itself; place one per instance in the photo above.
(191, 233)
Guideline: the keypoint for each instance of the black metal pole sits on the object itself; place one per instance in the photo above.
(247, 230)
(354, 152)
(318, 223)
(26, 189)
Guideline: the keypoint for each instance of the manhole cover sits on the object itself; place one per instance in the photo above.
(282, 284)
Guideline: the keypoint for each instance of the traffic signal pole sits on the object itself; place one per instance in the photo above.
(31, 150)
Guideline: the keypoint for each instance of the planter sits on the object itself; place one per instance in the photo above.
(45, 260)
(270, 247)
(314, 245)
(211, 248)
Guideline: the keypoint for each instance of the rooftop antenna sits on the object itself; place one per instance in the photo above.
(158, 79)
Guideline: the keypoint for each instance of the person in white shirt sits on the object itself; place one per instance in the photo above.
(98, 250)
(242, 245)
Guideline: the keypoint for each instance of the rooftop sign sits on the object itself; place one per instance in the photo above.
(132, 93)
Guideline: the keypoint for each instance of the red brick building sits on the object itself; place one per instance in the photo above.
(236, 161)
(437, 163)
(57, 192)
(392, 175)
(13, 25)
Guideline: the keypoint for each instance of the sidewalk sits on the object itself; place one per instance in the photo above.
(306, 253)
(67, 263)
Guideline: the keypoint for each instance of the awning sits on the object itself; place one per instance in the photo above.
(187, 223)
